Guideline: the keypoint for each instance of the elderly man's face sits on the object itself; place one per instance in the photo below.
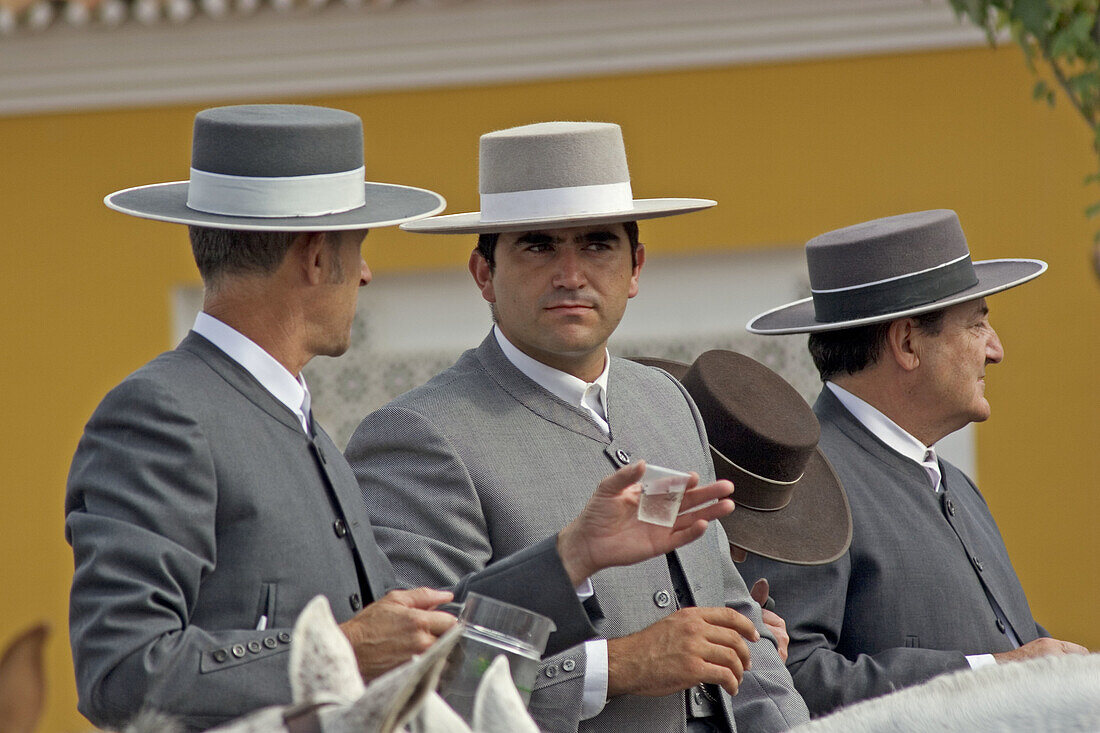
(953, 365)
(558, 294)
(348, 273)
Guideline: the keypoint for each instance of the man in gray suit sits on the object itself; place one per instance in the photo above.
(205, 506)
(488, 457)
(900, 333)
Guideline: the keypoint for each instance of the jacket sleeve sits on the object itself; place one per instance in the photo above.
(140, 515)
(811, 600)
(427, 517)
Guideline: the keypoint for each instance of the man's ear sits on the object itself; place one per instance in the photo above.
(903, 343)
(483, 276)
(639, 260)
(312, 253)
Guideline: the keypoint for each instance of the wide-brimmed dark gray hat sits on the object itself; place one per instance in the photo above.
(891, 268)
(554, 175)
(763, 437)
(277, 167)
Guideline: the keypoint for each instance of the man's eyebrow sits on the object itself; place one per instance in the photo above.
(601, 235)
(534, 238)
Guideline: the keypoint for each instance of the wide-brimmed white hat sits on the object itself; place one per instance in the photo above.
(277, 167)
(554, 175)
(889, 268)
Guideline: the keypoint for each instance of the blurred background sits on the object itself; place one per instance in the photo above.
(798, 116)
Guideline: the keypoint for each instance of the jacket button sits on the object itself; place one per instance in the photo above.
(1000, 626)
(551, 671)
(284, 637)
(238, 650)
(662, 598)
(340, 528)
(254, 646)
(355, 601)
(270, 642)
(623, 456)
(220, 655)
(978, 564)
(568, 665)
(951, 507)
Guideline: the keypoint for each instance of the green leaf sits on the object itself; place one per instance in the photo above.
(1093, 210)
(1032, 15)
(1073, 40)
(1091, 178)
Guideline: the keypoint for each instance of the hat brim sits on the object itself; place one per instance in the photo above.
(387, 204)
(993, 277)
(813, 529)
(471, 223)
(675, 368)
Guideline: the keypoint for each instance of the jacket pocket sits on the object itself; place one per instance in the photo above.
(265, 607)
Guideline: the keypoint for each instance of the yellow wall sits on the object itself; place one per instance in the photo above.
(788, 150)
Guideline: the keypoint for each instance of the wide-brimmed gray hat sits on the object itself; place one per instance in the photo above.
(277, 167)
(554, 175)
(763, 437)
(891, 268)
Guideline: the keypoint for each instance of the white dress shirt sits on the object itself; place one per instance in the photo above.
(590, 397)
(272, 376)
(890, 433)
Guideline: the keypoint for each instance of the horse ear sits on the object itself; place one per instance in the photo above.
(23, 681)
(498, 708)
(322, 663)
(436, 716)
(395, 698)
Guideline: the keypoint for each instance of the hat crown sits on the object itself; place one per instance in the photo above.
(753, 416)
(886, 248)
(549, 155)
(276, 140)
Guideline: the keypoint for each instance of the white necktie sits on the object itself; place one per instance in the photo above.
(304, 417)
(932, 466)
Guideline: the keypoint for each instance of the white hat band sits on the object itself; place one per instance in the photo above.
(278, 196)
(603, 198)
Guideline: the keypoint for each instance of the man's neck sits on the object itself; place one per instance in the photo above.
(265, 320)
(586, 367)
(894, 397)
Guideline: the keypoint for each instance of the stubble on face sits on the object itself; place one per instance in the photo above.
(559, 294)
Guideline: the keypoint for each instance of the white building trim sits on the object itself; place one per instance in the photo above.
(341, 48)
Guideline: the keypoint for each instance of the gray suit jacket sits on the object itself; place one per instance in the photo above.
(195, 506)
(481, 462)
(906, 602)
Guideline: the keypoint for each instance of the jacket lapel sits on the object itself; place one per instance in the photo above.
(240, 379)
(532, 396)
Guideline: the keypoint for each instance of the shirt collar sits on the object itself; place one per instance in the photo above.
(882, 427)
(273, 376)
(562, 385)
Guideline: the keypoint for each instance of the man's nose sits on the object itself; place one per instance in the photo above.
(364, 273)
(994, 351)
(570, 272)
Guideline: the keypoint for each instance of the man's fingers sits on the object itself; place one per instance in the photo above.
(624, 477)
(700, 495)
(707, 513)
(423, 598)
(759, 591)
(436, 622)
(731, 619)
(720, 674)
(1070, 648)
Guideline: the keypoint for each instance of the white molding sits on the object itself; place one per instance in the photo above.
(344, 49)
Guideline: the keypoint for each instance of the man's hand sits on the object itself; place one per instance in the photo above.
(1044, 647)
(388, 632)
(691, 646)
(772, 620)
(608, 532)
